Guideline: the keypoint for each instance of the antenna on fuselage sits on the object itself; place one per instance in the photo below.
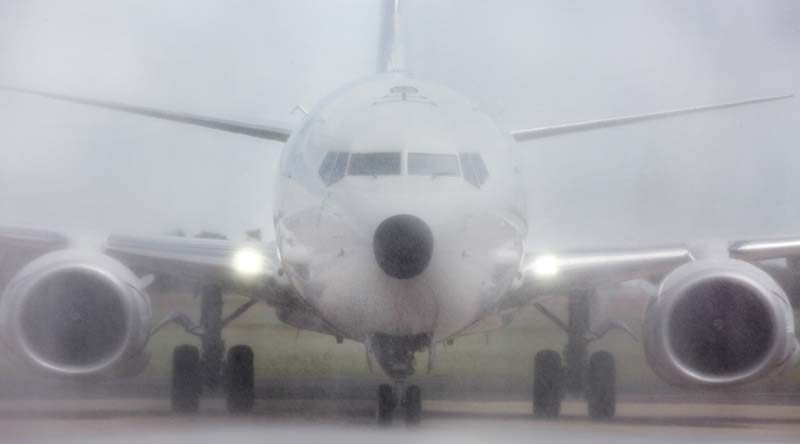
(391, 51)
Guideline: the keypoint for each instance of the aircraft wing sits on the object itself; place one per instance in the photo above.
(549, 272)
(574, 127)
(589, 269)
(31, 239)
(250, 268)
(18, 245)
(193, 258)
(270, 131)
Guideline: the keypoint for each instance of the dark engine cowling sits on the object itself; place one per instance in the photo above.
(718, 323)
(76, 314)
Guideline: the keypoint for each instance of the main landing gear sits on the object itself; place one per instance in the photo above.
(194, 370)
(411, 403)
(594, 378)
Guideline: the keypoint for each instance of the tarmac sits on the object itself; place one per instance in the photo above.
(330, 421)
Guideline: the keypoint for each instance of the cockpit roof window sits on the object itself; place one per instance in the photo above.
(374, 164)
(424, 164)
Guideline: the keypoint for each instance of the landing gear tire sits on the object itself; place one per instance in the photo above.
(601, 385)
(386, 404)
(413, 404)
(547, 384)
(187, 379)
(240, 379)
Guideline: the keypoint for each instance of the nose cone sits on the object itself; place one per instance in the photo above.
(403, 245)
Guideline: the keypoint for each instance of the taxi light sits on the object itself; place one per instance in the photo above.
(545, 266)
(248, 261)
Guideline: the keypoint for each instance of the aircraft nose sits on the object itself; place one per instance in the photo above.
(403, 245)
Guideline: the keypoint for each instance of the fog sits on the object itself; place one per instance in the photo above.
(724, 174)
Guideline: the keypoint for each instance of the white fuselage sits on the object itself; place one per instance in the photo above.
(395, 145)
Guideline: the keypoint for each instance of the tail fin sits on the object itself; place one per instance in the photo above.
(391, 52)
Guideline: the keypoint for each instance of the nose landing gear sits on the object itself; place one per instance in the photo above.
(387, 402)
(395, 354)
(411, 403)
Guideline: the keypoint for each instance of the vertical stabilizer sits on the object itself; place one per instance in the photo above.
(392, 54)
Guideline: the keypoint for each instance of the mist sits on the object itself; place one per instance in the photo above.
(724, 174)
(727, 174)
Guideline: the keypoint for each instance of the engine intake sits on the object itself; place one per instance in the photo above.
(718, 323)
(74, 313)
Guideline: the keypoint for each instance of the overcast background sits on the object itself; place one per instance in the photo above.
(729, 173)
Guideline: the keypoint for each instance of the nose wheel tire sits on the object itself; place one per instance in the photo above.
(187, 379)
(386, 404)
(547, 384)
(601, 385)
(239, 376)
(413, 404)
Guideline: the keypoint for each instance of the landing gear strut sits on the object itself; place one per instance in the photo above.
(593, 376)
(212, 345)
(207, 368)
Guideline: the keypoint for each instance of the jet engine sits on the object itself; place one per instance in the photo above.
(76, 314)
(718, 323)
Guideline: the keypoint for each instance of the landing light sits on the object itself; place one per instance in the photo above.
(248, 261)
(545, 266)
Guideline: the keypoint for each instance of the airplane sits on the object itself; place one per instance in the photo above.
(400, 223)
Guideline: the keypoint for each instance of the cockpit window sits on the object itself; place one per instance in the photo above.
(374, 164)
(336, 164)
(475, 171)
(433, 164)
(333, 166)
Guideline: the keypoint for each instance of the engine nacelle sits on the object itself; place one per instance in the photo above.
(76, 314)
(717, 323)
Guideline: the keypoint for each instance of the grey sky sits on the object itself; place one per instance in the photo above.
(530, 63)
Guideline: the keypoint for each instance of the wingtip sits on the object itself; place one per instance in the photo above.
(780, 97)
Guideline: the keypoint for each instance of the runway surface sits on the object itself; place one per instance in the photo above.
(336, 421)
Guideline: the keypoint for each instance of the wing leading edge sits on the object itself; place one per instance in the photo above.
(251, 267)
(575, 127)
(543, 273)
(589, 269)
(273, 131)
